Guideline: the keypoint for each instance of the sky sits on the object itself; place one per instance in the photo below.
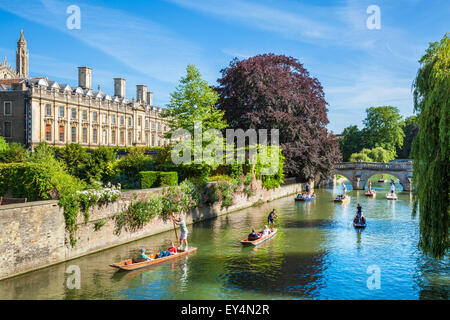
(151, 43)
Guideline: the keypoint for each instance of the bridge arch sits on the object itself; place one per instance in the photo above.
(360, 172)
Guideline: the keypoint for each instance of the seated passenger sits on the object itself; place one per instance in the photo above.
(143, 256)
(299, 196)
(266, 231)
(172, 249)
(164, 254)
(253, 235)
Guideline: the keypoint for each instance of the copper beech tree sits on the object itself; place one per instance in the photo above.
(276, 92)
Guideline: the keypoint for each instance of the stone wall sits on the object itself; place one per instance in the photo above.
(33, 235)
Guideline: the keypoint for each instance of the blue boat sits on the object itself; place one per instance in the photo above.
(305, 199)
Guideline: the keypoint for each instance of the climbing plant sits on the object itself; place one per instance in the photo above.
(431, 147)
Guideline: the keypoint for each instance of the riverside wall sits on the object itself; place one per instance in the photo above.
(33, 235)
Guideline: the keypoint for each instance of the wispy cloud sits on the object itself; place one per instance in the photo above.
(140, 44)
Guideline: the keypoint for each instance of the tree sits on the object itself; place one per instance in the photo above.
(15, 152)
(43, 153)
(352, 141)
(410, 130)
(3, 144)
(377, 154)
(430, 149)
(275, 92)
(384, 127)
(74, 158)
(194, 102)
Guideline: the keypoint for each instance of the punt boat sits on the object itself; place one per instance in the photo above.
(261, 239)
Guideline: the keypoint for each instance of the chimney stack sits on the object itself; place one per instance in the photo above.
(150, 98)
(85, 77)
(119, 87)
(141, 93)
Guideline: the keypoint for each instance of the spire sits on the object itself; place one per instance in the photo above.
(22, 57)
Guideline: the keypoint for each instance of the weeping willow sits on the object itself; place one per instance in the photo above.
(431, 147)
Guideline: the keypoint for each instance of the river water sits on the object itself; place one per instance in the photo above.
(315, 255)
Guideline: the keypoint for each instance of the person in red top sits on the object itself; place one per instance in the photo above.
(172, 249)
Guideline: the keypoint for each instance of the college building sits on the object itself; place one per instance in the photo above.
(39, 109)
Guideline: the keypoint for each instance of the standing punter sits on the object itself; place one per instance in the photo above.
(184, 231)
(270, 218)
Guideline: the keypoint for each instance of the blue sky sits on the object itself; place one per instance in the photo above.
(151, 42)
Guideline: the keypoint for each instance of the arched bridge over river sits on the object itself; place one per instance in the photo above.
(360, 172)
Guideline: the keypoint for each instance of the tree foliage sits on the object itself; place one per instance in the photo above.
(377, 154)
(352, 141)
(384, 127)
(431, 147)
(410, 130)
(276, 92)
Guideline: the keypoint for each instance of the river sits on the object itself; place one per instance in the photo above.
(315, 255)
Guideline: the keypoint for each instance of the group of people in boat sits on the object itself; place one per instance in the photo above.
(270, 222)
(359, 217)
(306, 195)
(256, 235)
(172, 249)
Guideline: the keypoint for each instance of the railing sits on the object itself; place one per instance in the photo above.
(374, 166)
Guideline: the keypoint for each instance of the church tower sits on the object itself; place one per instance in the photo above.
(22, 57)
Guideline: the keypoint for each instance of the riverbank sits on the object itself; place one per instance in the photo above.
(33, 235)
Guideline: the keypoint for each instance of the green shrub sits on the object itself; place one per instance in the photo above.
(139, 213)
(99, 224)
(149, 179)
(15, 152)
(168, 178)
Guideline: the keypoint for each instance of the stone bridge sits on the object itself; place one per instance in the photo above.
(360, 172)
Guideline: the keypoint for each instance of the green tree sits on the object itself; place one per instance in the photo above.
(410, 130)
(352, 141)
(384, 127)
(43, 153)
(377, 154)
(3, 144)
(431, 146)
(15, 152)
(194, 102)
(75, 158)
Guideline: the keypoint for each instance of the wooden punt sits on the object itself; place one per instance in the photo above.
(359, 225)
(373, 194)
(138, 265)
(304, 199)
(390, 197)
(343, 200)
(260, 240)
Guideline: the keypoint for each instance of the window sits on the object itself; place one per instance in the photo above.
(153, 141)
(122, 137)
(159, 126)
(153, 125)
(85, 115)
(61, 112)
(7, 108)
(94, 116)
(48, 132)
(113, 119)
(139, 136)
(74, 134)
(48, 110)
(104, 117)
(146, 123)
(113, 137)
(94, 136)
(129, 138)
(84, 135)
(121, 120)
(139, 121)
(74, 113)
(105, 140)
(146, 139)
(129, 122)
(7, 132)
(165, 127)
(61, 133)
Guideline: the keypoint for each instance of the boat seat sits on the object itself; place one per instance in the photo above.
(137, 260)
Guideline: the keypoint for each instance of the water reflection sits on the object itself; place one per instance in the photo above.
(316, 254)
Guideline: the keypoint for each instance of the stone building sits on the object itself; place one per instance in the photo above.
(39, 109)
